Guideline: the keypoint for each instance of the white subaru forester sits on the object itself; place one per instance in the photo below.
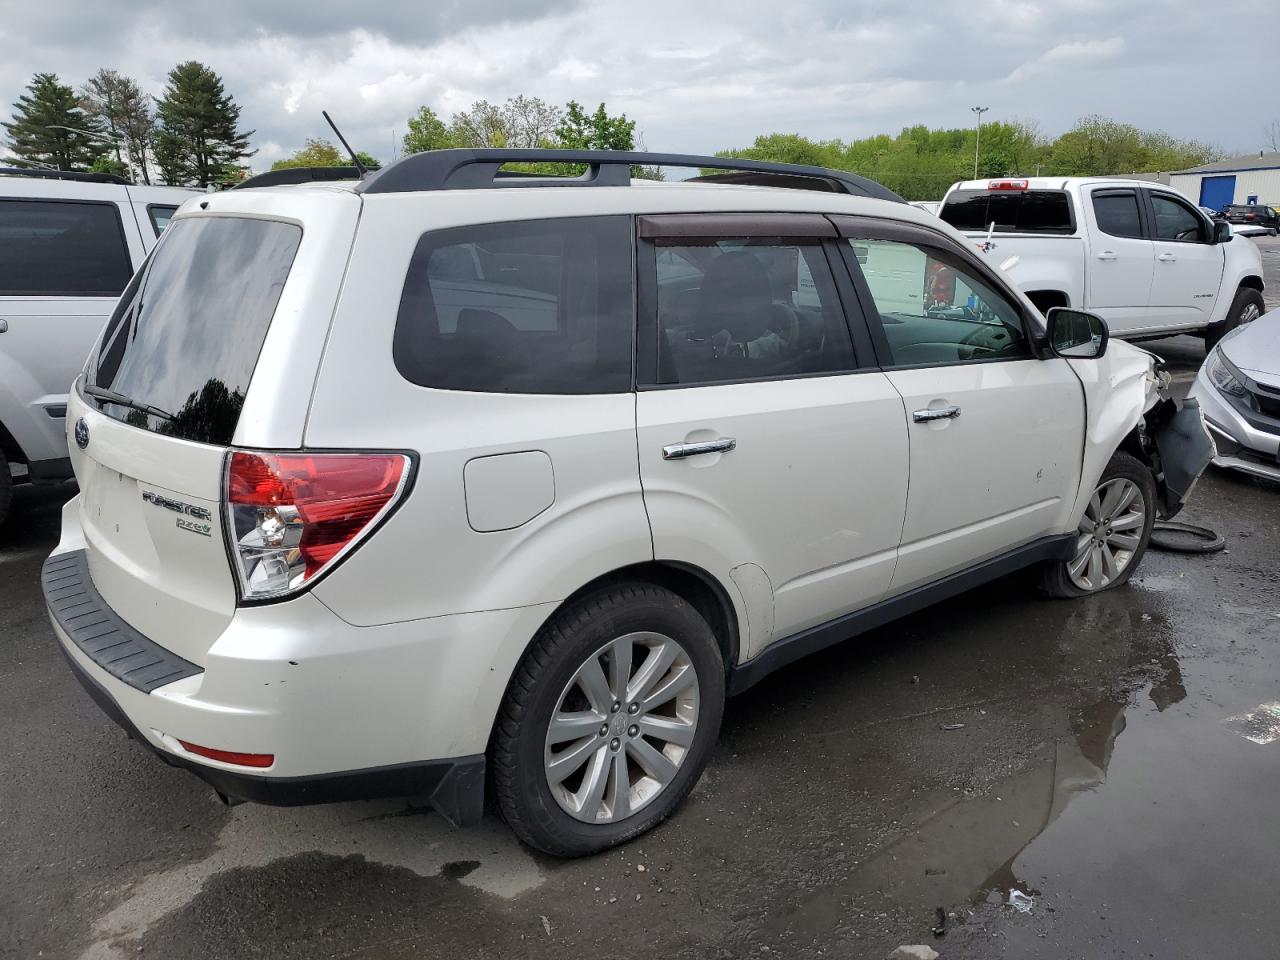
(457, 477)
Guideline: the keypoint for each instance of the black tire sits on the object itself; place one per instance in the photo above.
(575, 633)
(6, 487)
(1056, 579)
(1245, 297)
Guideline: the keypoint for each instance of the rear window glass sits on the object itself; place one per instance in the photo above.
(51, 248)
(1013, 211)
(541, 306)
(185, 337)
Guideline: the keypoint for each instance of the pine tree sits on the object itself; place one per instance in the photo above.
(125, 113)
(50, 129)
(198, 137)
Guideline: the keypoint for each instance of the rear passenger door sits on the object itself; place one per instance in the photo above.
(995, 433)
(772, 452)
(1121, 260)
(63, 263)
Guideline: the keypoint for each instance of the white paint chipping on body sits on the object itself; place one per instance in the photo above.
(1260, 726)
(257, 836)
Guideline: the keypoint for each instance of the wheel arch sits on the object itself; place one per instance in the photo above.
(699, 588)
(1047, 299)
(1250, 282)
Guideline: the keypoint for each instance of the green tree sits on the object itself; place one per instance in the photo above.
(107, 163)
(50, 128)
(322, 153)
(579, 130)
(426, 132)
(125, 114)
(1097, 146)
(198, 137)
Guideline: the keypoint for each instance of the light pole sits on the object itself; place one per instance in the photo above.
(977, 143)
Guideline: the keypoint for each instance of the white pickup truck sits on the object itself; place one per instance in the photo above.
(1140, 255)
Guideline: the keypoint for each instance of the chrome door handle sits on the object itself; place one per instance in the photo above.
(1167, 257)
(4, 326)
(1107, 255)
(942, 413)
(679, 451)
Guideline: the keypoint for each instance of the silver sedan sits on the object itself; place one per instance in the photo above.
(1239, 392)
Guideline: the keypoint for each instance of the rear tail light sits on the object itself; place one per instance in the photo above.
(1008, 185)
(291, 517)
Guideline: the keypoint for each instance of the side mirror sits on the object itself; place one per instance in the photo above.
(1076, 335)
(1221, 231)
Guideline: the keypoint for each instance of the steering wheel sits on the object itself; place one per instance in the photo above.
(987, 340)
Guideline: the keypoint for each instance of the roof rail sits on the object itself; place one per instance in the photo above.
(277, 178)
(43, 173)
(482, 169)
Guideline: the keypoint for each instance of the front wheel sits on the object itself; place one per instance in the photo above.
(1247, 306)
(609, 720)
(1112, 535)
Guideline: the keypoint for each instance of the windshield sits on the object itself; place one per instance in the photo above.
(184, 338)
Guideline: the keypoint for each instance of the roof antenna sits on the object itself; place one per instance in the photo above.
(355, 161)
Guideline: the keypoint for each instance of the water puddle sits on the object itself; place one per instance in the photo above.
(487, 858)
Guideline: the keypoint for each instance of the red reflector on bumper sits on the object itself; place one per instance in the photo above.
(230, 756)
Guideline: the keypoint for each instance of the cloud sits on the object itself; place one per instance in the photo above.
(695, 77)
(1066, 57)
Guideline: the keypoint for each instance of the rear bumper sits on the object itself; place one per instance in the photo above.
(455, 787)
(400, 709)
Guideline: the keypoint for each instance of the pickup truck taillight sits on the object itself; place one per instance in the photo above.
(291, 516)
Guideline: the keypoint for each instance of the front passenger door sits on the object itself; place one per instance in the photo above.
(995, 434)
(1188, 267)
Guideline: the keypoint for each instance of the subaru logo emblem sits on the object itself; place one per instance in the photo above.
(82, 433)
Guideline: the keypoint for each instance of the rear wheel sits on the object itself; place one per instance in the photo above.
(1247, 306)
(1112, 535)
(6, 487)
(608, 721)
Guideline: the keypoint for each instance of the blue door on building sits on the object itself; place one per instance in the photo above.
(1217, 192)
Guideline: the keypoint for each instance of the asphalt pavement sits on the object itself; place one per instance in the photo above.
(1091, 778)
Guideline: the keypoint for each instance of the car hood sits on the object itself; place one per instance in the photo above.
(1255, 347)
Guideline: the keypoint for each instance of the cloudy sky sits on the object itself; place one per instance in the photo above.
(697, 77)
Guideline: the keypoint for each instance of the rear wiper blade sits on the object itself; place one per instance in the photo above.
(120, 400)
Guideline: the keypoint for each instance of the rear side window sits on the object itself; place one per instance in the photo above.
(160, 217)
(1117, 213)
(185, 337)
(748, 308)
(539, 306)
(52, 248)
(1012, 211)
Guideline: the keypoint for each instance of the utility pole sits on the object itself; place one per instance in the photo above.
(977, 143)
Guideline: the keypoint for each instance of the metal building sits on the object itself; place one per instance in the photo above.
(1251, 179)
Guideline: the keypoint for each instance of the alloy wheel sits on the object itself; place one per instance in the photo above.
(1108, 535)
(1248, 314)
(622, 727)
